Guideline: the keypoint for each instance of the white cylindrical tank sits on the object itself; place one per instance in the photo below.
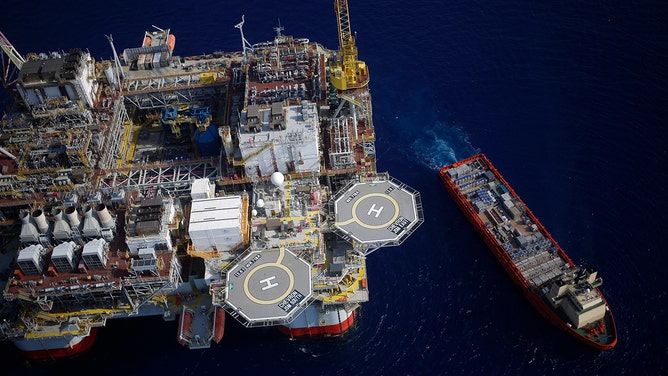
(72, 216)
(260, 203)
(25, 218)
(105, 218)
(40, 220)
(277, 179)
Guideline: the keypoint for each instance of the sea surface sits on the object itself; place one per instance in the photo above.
(569, 99)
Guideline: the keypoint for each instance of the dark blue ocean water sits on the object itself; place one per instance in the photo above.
(570, 101)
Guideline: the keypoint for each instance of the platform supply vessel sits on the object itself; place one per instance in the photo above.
(231, 184)
(566, 294)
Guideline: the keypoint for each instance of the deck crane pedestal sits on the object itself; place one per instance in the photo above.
(347, 72)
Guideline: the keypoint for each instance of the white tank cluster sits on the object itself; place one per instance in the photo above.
(67, 225)
(70, 233)
(98, 222)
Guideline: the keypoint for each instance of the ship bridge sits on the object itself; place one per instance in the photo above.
(376, 213)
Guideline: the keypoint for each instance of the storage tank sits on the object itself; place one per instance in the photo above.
(105, 218)
(40, 220)
(72, 216)
(208, 141)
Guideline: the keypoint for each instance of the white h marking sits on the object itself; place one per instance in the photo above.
(373, 209)
(268, 282)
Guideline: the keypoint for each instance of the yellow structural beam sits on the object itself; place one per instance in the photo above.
(352, 285)
(126, 138)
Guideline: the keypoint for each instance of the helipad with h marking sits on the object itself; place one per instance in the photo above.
(269, 285)
(381, 211)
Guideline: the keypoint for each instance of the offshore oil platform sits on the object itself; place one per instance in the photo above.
(194, 188)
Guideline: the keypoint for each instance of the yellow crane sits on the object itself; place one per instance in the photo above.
(347, 72)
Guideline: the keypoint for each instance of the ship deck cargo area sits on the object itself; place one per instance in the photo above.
(533, 253)
(566, 294)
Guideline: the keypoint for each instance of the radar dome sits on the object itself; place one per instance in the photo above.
(260, 203)
(277, 179)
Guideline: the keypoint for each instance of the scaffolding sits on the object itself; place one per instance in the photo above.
(195, 83)
(171, 178)
(341, 154)
(119, 128)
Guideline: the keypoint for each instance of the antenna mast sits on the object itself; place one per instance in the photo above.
(244, 43)
(117, 63)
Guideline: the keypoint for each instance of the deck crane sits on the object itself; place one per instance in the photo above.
(13, 56)
(347, 72)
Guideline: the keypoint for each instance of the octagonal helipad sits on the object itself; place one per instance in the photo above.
(377, 212)
(268, 286)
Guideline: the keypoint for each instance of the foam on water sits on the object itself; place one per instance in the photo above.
(440, 145)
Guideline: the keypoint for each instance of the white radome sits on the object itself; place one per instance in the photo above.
(277, 179)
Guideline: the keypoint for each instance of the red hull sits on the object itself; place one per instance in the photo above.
(59, 353)
(325, 330)
(536, 301)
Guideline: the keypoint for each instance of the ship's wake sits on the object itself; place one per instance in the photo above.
(423, 130)
(440, 144)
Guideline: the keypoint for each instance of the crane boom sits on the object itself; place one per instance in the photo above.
(11, 52)
(11, 62)
(347, 72)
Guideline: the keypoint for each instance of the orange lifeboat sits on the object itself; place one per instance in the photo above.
(171, 41)
(218, 324)
(185, 325)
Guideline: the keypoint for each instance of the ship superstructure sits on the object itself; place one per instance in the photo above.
(240, 184)
(566, 294)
